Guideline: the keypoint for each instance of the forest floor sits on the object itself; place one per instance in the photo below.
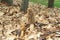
(14, 25)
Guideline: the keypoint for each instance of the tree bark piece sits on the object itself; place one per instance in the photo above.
(24, 5)
(50, 3)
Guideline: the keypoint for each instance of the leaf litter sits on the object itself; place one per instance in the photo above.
(39, 23)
